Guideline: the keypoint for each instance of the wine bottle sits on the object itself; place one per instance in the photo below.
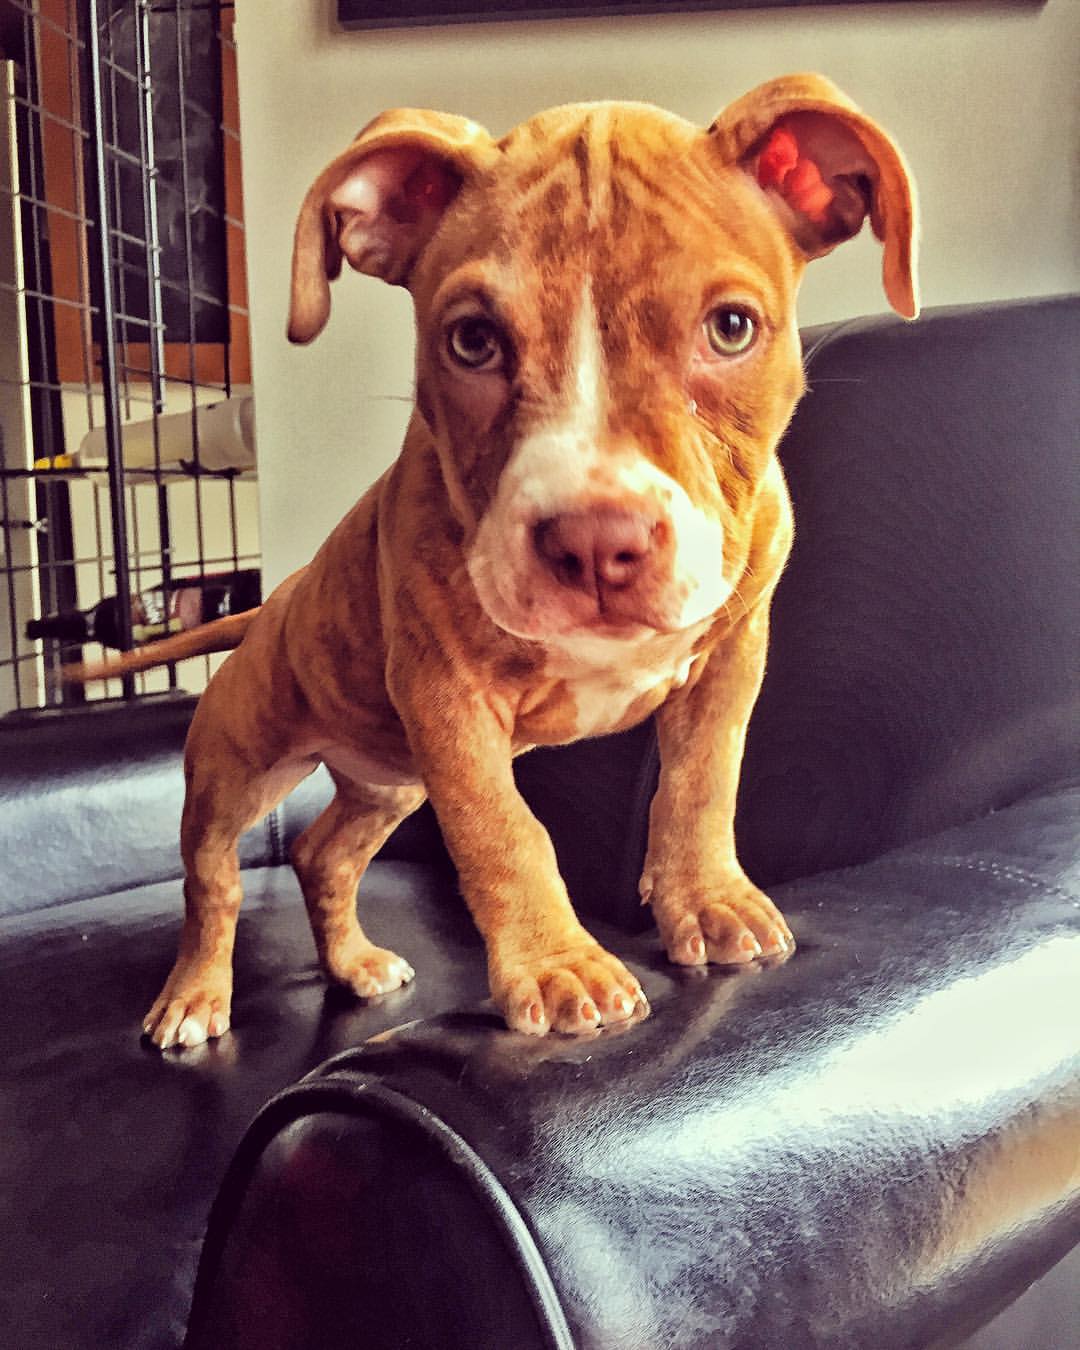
(186, 603)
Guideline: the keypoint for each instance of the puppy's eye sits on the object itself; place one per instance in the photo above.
(729, 330)
(475, 343)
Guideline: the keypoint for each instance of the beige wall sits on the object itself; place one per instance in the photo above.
(983, 98)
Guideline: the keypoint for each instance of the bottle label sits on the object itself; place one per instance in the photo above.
(150, 632)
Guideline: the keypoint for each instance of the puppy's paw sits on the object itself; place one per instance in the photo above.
(575, 991)
(729, 923)
(191, 1009)
(367, 970)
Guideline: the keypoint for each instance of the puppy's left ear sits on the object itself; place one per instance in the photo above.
(825, 167)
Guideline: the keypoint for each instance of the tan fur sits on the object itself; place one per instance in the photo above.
(393, 656)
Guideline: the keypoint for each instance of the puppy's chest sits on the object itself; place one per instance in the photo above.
(592, 689)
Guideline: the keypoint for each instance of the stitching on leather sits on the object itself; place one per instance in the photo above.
(1002, 871)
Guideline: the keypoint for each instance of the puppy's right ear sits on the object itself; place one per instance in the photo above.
(378, 204)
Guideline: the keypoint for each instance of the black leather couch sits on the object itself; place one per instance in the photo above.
(876, 1144)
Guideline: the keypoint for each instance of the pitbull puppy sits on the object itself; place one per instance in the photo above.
(584, 528)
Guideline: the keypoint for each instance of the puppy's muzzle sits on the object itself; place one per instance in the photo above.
(601, 552)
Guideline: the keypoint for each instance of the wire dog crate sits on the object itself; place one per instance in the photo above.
(127, 469)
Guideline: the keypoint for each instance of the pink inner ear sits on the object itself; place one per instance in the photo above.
(431, 186)
(404, 175)
(403, 185)
(783, 167)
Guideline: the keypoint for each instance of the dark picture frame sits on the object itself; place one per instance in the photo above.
(430, 13)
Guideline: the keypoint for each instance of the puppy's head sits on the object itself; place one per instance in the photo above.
(607, 341)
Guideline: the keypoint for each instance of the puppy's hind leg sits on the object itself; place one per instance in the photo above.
(330, 858)
(195, 1003)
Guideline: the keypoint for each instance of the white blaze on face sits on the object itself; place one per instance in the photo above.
(565, 466)
(558, 464)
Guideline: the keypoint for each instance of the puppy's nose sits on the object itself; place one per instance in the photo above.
(604, 549)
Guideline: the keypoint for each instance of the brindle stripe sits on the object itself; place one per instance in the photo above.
(624, 196)
(537, 182)
(733, 492)
(656, 321)
(679, 202)
(532, 176)
(656, 226)
(580, 152)
(621, 208)
(556, 198)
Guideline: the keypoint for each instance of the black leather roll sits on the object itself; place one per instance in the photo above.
(363, 1219)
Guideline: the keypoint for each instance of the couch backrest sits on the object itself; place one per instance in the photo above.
(925, 658)
(926, 634)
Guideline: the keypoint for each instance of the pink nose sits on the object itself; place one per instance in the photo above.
(593, 551)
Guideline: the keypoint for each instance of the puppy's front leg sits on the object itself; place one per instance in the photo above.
(706, 907)
(544, 968)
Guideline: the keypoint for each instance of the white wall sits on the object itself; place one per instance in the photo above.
(983, 98)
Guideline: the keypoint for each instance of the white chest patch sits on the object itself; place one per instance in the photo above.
(605, 676)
